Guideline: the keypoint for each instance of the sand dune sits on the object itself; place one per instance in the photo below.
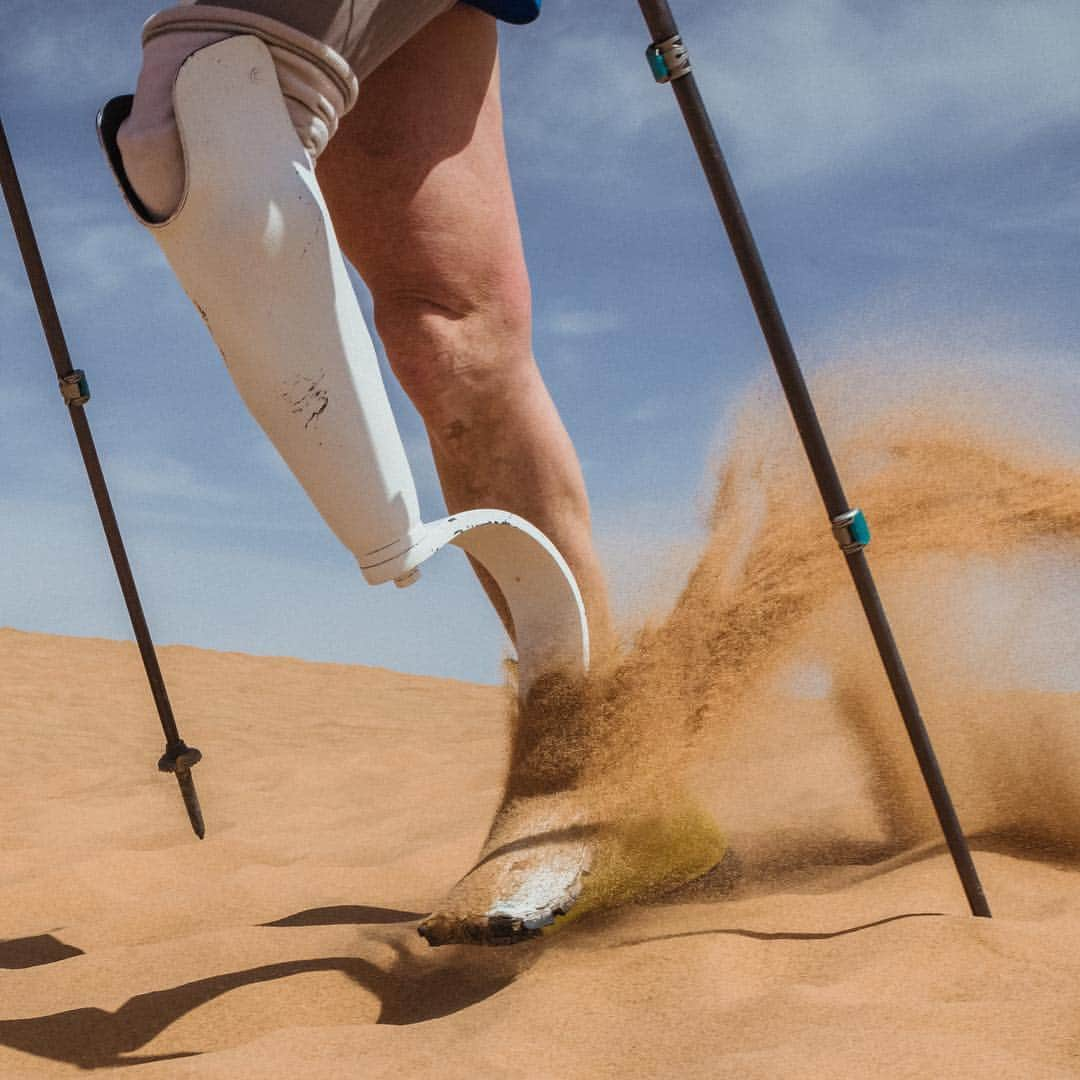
(342, 803)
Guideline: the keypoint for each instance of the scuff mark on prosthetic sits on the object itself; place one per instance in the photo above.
(308, 398)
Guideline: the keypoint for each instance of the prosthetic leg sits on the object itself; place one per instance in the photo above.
(252, 243)
(253, 246)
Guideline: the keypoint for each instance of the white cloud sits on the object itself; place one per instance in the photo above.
(652, 410)
(803, 88)
(98, 261)
(82, 52)
(167, 478)
(580, 323)
(13, 291)
(648, 549)
(56, 577)
(812, 87)
(1060, 218)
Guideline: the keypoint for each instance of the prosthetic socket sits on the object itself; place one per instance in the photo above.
(254, 248)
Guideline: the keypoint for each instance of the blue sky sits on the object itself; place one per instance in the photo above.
(912, 173)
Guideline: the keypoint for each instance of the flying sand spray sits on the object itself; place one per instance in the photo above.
(670, 63)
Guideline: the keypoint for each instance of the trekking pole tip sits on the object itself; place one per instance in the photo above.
(179, 758)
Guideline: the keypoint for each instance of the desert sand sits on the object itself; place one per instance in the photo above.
(343, 802)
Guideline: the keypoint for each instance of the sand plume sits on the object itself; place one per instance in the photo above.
(765, 669)
(974, 501)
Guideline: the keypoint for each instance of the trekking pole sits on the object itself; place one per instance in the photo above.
(178, 757)
(670, 63)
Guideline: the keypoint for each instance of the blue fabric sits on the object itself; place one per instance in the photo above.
(512, 11)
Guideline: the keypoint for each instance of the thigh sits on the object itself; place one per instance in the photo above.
(416, 178)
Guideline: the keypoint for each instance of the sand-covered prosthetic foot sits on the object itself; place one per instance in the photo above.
(551, 859)
(579, 828)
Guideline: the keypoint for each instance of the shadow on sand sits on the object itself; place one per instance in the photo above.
(348, 915)
(28, 952)
(759, 935)
(414, 988)
(426, 985)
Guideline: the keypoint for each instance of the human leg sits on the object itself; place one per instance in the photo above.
(249, 262)
(254, 247)
(430, 223)
(428, 219)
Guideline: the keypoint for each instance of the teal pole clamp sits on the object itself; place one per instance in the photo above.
(851, 531)
(668, 59)
(74, 388)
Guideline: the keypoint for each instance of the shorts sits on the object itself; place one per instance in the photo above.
(511, 11)
(366, 32)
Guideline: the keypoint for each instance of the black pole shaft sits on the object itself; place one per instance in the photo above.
(662, 27)
(54, 336)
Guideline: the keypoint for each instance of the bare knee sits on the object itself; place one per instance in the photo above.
(455, 350)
